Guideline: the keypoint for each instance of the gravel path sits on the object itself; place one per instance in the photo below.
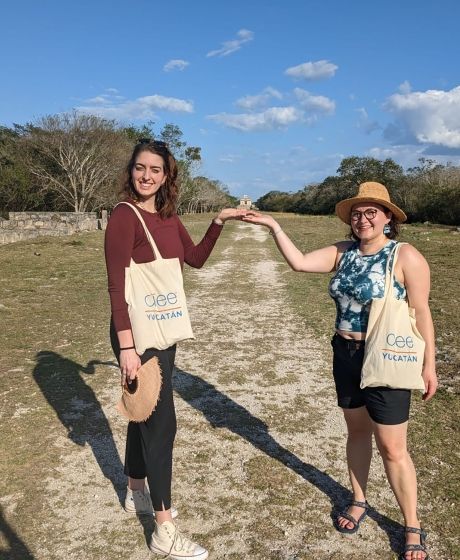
(259, 456)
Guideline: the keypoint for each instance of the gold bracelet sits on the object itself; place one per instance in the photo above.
(275, 233)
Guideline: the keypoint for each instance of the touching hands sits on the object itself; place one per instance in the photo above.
(231, 214)
(254, 217)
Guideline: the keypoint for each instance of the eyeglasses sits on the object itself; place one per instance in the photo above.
(370, 214)
(152, 141)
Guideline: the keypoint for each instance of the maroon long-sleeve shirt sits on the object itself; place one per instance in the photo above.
(125, 239)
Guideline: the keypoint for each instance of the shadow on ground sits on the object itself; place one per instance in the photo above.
(223, 412)
(16, 550)
(62, 383)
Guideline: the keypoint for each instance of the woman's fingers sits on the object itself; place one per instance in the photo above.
(128, 368)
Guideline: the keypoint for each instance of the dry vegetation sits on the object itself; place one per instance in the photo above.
(260, 447)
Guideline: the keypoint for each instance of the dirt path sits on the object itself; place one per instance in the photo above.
(259, 457)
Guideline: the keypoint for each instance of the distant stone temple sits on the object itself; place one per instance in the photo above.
(245, 202)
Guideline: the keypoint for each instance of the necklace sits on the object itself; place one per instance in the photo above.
(141, 205)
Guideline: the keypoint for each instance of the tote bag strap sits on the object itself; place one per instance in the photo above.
(390, 271)
(155, 250)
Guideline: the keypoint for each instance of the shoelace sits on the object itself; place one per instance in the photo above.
(180, 543)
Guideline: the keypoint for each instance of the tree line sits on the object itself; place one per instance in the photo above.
(73, 162)
(429, 191)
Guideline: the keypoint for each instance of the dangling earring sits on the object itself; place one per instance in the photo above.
(386, 229)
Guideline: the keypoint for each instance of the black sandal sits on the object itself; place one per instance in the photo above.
(415, 547)
(348, 517)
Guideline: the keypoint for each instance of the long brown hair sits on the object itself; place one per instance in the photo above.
(166, 197)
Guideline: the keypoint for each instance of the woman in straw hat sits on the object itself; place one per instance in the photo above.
(150, 183)
(359, 275)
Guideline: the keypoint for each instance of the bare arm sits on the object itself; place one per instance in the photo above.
(416, 277)
(320, 260)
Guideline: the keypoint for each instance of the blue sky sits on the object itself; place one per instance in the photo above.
(275, 92)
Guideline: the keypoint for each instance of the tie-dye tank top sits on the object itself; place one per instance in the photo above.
(358, 280)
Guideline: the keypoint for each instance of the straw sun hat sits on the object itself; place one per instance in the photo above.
(140, 397)
(369, 192)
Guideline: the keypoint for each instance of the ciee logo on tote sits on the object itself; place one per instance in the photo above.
(394, 350)
(399, 348)
(161, 307)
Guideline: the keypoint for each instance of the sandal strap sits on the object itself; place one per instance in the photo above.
(417, 547)
(417, 531)
(414, 547)
(363, 505)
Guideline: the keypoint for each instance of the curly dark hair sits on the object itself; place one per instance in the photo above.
(166, 197)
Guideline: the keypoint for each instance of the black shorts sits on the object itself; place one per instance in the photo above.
(384, 405)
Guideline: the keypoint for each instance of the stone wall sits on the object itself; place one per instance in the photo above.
(26, 225)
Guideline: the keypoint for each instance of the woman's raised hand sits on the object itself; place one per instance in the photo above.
(254, 217)
(231, 214)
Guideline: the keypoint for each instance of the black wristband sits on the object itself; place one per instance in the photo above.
(128, 348)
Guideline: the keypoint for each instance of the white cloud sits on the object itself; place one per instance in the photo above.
(314, 103)
(167, 103)
(428, 117)
(175, 64)
(287, 170)
(251, 102)
(229, 158)
(273, 118)
(405, 87)
(140, 108)
(228, 47)
(408, 155)
(307, 110)
(313, 70)
(365, 123)
(98, 100)
(398, 153)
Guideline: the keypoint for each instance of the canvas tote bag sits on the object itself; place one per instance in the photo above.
(394, 350)
(154, 292)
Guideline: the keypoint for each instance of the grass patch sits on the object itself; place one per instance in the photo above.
(54, 308)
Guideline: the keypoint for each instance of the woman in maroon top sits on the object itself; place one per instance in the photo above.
(150, 182)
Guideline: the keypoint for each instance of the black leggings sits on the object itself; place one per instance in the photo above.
(149, 444)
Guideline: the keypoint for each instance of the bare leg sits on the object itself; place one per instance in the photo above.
(162, 516)
(392, 443)
(136, 483)
(139, 484)
(359, 455)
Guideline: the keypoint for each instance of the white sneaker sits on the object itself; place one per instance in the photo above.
(168, 540)
(140, 503)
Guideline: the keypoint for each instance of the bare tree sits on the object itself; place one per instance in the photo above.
(203, 195)
(77, 156)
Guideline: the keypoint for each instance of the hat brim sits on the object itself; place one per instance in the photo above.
(343, 208)
(137, 404)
